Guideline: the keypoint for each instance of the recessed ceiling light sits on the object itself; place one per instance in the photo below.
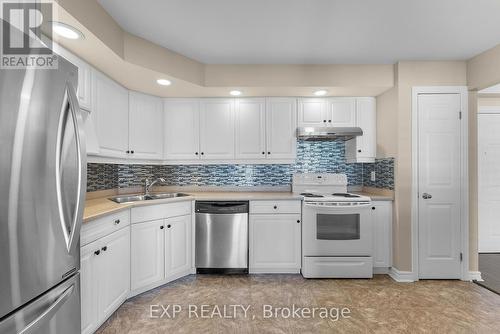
(66, 31)
(164, 82)
(235, 92)
(320, 92)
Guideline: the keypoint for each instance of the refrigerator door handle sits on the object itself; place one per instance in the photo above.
(49, 312)
(72, 232)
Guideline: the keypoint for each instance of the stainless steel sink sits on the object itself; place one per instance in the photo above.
(135, 198)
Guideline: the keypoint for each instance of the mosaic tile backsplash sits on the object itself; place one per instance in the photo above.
(317, 157)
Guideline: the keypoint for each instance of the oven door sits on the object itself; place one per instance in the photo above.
(336, 230)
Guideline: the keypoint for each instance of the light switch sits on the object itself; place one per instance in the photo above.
(372, 176)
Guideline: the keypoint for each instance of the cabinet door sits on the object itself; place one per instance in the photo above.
(217, 129)
(363, 148)
(281, 123)
(181, 129)
(341, 112)
(177, 247)
(111, 113)
(146, 126)
(367, 121)
(89, 279)
(250, 128)
(382, 233)
(312, 112)
(147, 248)
(274, 243)
(114, 271)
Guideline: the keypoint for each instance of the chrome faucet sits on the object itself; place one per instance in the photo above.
(148, 185)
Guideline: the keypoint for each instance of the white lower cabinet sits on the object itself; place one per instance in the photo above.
(161, 252)
(177, 247)
(275, 243)
(105, 277)
(147, 246)
(382, 233)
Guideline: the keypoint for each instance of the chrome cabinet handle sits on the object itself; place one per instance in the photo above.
(426, 196)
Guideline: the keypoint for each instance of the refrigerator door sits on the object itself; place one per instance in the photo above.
(42, 181)
(55, 312)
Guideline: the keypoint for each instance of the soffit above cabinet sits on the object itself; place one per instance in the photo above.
(137, 63)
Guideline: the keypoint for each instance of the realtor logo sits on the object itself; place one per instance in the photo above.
(25, 44)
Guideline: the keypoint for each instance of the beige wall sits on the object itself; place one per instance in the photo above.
(394, 138)
(387, 127)
(483, 70)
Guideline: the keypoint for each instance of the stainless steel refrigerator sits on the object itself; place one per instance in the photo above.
(42, 193)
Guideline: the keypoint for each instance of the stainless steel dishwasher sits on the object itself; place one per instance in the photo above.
(221, 237)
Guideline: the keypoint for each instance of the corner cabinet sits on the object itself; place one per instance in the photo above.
(111, 116)
(161, 249)
(364, 148)
(145, 134)
(382, 233)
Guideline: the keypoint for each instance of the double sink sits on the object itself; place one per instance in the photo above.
(144, 197)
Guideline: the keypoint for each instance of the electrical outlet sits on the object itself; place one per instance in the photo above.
(372, 176)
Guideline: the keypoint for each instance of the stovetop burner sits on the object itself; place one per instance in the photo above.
(311, 195)
(346, 195)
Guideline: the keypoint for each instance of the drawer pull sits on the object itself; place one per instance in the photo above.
(97, 252)
(275, 207)
(298, 221)
(117, 221)
(162, 227)
(105, 248)
(169, 226)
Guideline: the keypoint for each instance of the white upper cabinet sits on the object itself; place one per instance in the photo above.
(364, 148)
(84, 90)
(341, 111)
(181, 129)
(281, 124)
(251, 128)
(312, 112)
(145, 126)
(111, 116)
(217, 128)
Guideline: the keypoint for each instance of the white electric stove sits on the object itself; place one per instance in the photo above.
(336, 228)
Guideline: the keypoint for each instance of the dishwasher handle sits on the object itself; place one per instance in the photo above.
(221, 207)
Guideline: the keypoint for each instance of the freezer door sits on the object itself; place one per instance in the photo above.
(55, 312)
(42, 181)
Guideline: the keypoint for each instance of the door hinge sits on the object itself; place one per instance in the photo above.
(459, 115)
(461, 257)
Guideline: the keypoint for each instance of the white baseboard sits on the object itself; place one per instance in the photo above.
(475, 276)
(381, 270)
(401, 276)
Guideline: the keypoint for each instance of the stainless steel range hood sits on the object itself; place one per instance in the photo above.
(328, 133)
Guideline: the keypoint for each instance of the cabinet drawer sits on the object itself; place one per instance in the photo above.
(160, 211)
(279, 206)
(100, 227)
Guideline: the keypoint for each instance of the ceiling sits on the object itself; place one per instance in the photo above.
(313, 31)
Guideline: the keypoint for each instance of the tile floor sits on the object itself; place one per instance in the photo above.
(379, 305)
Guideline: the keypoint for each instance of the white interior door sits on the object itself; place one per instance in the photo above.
(439, 183)
(489, 182)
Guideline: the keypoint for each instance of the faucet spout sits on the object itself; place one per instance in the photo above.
(148, 185)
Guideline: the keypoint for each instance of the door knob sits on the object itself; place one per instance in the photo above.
(426, 196)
